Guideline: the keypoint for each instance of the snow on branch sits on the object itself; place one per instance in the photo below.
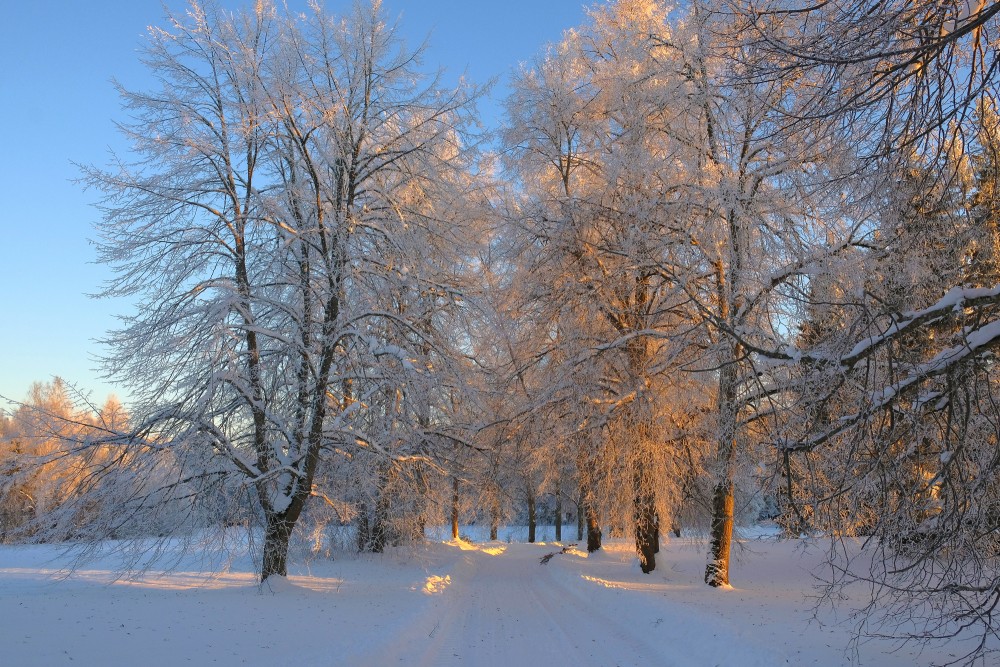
(956, 300)
(974, 342)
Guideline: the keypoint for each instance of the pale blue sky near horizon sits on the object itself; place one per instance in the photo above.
(58, 107)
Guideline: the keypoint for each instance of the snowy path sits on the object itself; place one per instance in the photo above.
(501, 606)
(475, 605)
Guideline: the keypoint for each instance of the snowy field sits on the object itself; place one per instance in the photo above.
(489, 603)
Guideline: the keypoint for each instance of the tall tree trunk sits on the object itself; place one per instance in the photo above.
(585, 511)
(422, 502)
(364, 528)
(645, 521)
(380, 523)
(378, 534)
(558, 516)
(532, 518)
(723, 502)
(277, 532)
(723, 498)
(593, 529)
(454, 508)
(494, 519)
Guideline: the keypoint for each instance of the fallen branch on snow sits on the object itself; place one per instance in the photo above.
(547, 557)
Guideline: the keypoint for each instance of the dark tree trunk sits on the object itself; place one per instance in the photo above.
(276, 535)
(378, 535)
(422, 515)
(532, 518)
(494, 520)
(723, 503)
(364, 528)
(558, 516)
(380, 524)
(675, 528)
(585, 514)
(723, 498)
(656, 535)
(646, 534)
(593, 529)
(454, 508)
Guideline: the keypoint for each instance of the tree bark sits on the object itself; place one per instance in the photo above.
(723, 498)
(454, 508)
(532, 518)
(380, 536)
(494, 520)
(586, 514)
(364, 528)
(558, 516)
(383, 532)
(645, 522)
(593, 529)
(276, 536)
(723, 502)
(422, 515)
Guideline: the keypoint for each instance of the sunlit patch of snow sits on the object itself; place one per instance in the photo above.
(624, 585)
(175, 581)
(435, 585)
(604, 582)
(490, 548)
(494, 549)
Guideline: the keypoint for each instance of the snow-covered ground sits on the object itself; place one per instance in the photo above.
(489, 603)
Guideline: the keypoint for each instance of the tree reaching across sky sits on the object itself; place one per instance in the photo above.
(895, 432)
(291, 225)
(899, 71)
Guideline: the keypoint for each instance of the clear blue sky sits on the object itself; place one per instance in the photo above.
(57, 106)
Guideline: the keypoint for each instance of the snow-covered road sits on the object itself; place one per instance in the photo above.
(488, 604)
(500, 606)
(509, 604)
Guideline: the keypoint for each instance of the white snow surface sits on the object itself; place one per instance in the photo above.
(445, 603)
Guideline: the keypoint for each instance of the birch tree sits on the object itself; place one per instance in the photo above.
(283, 191)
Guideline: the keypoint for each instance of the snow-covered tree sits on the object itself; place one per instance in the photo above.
(600, 137)
(50, 447)
(905, 387)
(295, 182)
